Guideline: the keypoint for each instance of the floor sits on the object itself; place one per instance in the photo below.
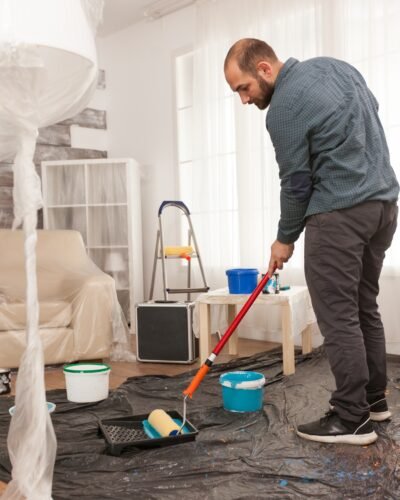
(54, 377)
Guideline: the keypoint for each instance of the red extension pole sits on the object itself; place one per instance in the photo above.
(232, 327)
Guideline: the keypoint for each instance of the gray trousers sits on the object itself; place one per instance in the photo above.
(344, 252)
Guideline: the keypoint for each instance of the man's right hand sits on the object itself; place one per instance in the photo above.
(280, 253)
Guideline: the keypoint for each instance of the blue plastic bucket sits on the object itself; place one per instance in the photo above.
(242, 280)
(242, 391)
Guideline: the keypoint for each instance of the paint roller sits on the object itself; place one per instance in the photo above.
(163, 423)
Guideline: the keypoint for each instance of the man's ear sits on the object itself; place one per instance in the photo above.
(264, 70)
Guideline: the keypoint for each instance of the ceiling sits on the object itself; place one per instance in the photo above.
(119, 14)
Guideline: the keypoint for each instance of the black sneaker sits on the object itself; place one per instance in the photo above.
(379, 410)
(333, 429)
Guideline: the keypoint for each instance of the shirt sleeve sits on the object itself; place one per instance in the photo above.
(289, 135)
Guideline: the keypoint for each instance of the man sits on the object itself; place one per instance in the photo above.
(337, 181)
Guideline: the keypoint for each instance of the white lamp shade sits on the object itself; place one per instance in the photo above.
(48, 65)
(59, 24)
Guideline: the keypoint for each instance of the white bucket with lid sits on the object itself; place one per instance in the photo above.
(87, 382)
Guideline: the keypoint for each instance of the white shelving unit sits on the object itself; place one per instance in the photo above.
(101, 199)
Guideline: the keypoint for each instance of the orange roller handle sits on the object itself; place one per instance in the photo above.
(194, 384)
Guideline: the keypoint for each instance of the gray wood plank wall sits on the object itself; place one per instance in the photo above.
(54, 143)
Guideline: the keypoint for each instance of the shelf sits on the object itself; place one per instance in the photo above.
(90, 205)
(67, 206)
(101, 200)
(107, 204)
(106, 247)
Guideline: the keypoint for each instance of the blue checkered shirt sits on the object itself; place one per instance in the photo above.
(329, 142)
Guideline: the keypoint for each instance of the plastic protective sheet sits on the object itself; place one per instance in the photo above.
(93, 197)
(79, 314)
(48, 72)
(45, 77)
(236, 455)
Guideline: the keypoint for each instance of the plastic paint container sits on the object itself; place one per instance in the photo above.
(50, 408)
(242, 280)
(87, 382)
(242, 391)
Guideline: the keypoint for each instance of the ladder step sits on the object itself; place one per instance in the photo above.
(193, 256)
(178, 251)
(187, 290)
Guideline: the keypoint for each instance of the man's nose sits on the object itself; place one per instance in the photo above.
(245, 99)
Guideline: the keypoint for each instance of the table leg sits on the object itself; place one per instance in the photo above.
(205, 331)
(287, 341)
(233, 340)
(306, 339)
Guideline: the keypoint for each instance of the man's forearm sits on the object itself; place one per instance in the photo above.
(291, 222)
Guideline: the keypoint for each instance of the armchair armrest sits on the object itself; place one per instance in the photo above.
(92, 316)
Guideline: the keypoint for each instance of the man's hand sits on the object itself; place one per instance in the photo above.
(280, 253)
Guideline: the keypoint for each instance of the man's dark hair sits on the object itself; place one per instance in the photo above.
(247, 52)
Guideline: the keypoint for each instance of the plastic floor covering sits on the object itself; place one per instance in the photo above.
(235, 455)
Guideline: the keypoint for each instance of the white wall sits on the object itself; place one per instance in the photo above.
(92, 138)
(138, 62)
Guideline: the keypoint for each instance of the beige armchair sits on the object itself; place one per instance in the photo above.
(76, 299)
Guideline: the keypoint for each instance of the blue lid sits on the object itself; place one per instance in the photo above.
(241, 270)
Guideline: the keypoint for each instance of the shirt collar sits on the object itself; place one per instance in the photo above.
(286, 68)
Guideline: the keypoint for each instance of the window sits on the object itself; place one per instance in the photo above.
(208, 186)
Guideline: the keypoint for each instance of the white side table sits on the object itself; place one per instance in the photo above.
(297, 317)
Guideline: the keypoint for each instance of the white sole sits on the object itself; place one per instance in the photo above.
(357, 439)
(380, 416)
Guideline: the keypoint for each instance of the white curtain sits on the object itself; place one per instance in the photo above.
(233, 180)
(232, 184)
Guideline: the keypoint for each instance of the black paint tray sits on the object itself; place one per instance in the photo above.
(127, 432)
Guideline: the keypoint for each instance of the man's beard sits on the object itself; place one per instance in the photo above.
(266, 92)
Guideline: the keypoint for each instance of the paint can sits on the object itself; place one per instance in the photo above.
(87, 382)
(50, 408)
(270, 287)
(242, 391)
(277, 283)
(242, 281)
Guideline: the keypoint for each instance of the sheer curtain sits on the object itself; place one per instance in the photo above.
(234, 181)
(233, 184)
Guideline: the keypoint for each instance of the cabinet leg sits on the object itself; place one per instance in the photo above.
(287, 341)
(205, 331)
(306, 339)
(233, 341)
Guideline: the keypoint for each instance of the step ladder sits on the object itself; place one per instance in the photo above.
(189, 252)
